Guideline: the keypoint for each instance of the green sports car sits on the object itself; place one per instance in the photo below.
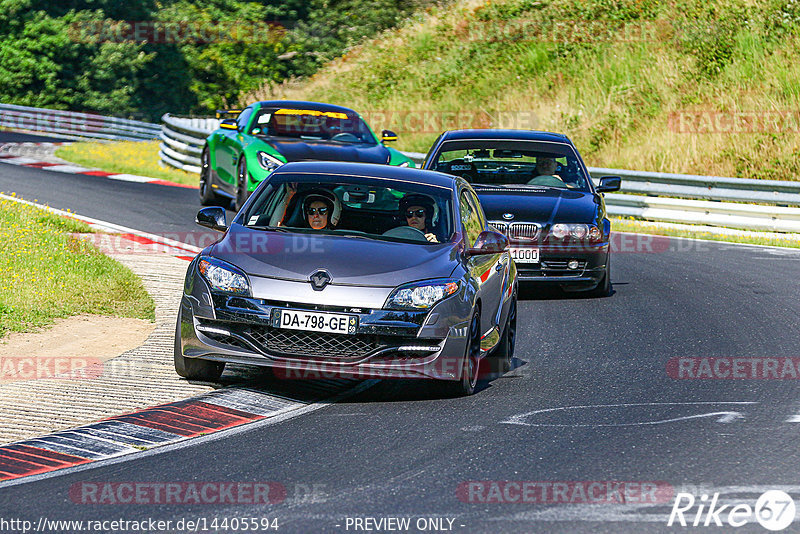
(242, 152)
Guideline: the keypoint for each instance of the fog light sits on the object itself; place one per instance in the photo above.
(573, 264)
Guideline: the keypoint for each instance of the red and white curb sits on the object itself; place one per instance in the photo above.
(25, 161)
(166, 424)
(145, 241)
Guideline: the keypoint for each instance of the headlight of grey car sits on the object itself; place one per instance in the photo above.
(223, 276)
(421, 295)
(267, 162)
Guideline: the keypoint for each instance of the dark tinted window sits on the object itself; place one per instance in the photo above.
(354, 206)
(513, 163)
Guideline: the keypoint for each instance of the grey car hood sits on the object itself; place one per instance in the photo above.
(348, 260)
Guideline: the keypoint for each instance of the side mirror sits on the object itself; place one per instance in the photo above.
(488, 242)
(388, 136)
(212, 217)
(609, 183)
(229, 124)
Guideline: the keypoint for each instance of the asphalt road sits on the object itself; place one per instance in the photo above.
(590, 400)
(19, 137)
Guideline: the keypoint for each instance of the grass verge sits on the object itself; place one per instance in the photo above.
(686, 86)
(46, 273)
(645, 227)
(124, 157)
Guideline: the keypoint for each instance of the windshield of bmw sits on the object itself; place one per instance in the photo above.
(313, 125)
(353, 206)
(517, 163)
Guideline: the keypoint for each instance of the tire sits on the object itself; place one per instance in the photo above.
(207, 195)
(603, 289)
(193, 368)
(469, 370)
(504, 354)
(242, 179)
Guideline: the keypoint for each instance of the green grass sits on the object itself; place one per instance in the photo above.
(644, 227)
(612, 88)
(47, 273)
(125, 157)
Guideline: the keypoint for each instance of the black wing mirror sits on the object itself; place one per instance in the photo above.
(609, 183)
(488, 242)
(388, 136)
(212, 217)
(229, 124)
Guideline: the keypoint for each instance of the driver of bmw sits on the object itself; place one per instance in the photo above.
(418, 211)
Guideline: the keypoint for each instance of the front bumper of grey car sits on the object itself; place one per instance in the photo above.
(380, 343)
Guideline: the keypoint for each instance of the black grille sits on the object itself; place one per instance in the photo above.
(524, 231)
(315, 344)
(550, 268)
(561, 265)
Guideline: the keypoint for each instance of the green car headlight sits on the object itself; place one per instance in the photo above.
(223, 276)
(267, 162)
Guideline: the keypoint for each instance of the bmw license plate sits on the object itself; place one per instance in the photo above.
(334, 323)
(524, 255)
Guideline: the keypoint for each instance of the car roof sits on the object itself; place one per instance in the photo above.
(510, 135)
(367, 170)
(300, 104)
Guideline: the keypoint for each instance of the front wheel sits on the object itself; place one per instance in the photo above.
(207, 195)
(192, 368)
(504, 354)
(469, 370)
(603, 289)
(242, 180)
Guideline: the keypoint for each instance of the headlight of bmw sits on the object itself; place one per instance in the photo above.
(223, 276)
(421, 295)
(575, 231)
(267, 162)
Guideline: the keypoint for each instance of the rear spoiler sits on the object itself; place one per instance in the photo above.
(224, 113)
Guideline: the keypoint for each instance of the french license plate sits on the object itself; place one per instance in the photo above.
(524, 255)
(334, 323)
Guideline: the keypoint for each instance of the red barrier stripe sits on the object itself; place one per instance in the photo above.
(98, 173)
(40, 164)
(173, 184)
(187, 258)
(147, 241)
(189, 419)
(43, 453)
(18, 461)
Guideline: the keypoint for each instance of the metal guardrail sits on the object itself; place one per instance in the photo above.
(764, 205)
(78, 126)
(182, 141)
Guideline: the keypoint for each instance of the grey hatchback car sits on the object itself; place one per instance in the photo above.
(354, 269)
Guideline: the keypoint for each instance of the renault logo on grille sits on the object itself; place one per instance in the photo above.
(319, 280)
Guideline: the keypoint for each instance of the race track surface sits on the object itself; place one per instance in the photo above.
(590, 400)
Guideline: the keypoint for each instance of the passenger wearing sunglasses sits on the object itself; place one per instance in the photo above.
(418, 212)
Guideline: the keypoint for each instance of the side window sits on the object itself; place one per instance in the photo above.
(470, 219)
(476, 205)
(244, 116)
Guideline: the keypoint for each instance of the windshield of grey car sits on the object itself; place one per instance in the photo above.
(353, 206)
(496, 163)
(312, 125)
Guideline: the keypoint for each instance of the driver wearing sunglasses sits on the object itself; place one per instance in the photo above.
(317, 210)
(418, 212)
